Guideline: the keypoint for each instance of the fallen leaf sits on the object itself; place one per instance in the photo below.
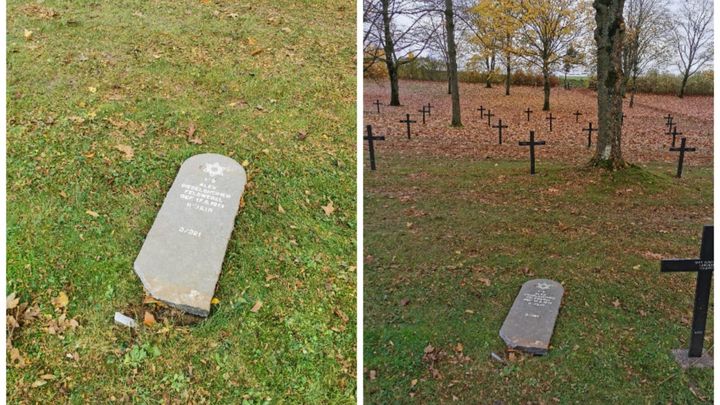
(11, 302)
(61, 300)
(485, 281)
(616, 303)
(38, 383)
(301, 135)
(341, 315)
(215, 301)
(92, 89)
(92, 213)
(459, 347)
(28, 34)
(257, 306)
(429, 349)
(48, 377)
(413, 382)
(127, 150)
(329, 209)
(16, 359)
(257, 52)
(373, 374)
(149, 319)
(281, 209)
(404, 302)
(191, 135)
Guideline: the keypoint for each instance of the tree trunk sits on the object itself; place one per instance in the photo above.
(565, 82)
(447, 68)
(507, 77)
(686, 74)
(389, 49)
(546, 87)
(455, 88)
(634, 90)
(609, 36)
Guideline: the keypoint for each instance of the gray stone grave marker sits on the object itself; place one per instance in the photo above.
(182, 256)
(529, 324)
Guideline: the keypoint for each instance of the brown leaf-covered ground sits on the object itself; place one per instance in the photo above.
(644, 138)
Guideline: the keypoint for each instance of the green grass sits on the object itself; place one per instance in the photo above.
(438, 230)
(249, 77)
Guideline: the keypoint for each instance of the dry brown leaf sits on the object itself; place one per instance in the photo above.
(16, 359)
(373, 374)
(257, 306)
(92, 213)
(281, 209)
(149, 319)
(27, 34)
(61, 300)
(329, 209)
(341, 315)
(11, 302)
(38, 383)
(127, 150)
(616, 303)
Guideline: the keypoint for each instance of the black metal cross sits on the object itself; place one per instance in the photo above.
(408, 121)
(704, 268)
(589, 130)
(668, 119)
(551, 118)
(489, 115)
(429, 108)
(528, 112)
(531, 144)
(371, 146)
(674, 134)
(577, 114)
(500, 127)
(682, 149)
(378, 104)
(424, 111)
(481, 109)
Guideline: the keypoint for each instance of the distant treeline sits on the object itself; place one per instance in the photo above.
(652, 82)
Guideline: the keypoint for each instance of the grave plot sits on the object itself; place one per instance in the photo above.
(485, 283)
(106, 103)
(646, 136)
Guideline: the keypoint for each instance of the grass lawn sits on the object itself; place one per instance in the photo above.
(105, 101)
(449, 242)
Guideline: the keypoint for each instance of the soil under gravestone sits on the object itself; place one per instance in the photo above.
(450, 237)
(644, 138)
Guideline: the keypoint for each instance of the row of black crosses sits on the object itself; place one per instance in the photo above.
(426, 109)
(532, 143)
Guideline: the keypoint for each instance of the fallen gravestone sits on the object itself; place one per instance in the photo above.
(694, 356)
(182, 256)
(529, 324)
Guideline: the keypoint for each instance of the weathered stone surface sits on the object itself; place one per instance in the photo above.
(529, 324)
(681, 356)
(182, 256)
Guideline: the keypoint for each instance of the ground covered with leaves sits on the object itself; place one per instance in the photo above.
(105, 101)
(452, 234)
(644, 130)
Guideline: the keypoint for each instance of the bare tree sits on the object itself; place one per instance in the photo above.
(609, 37)
(694, 38)
(452, 58)
(646, 39)
(393, 35)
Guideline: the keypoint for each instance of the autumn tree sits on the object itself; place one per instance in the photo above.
(392, 35)
(693, 37)
(548, 27)
(494, 25)
(609, 37)
(646, 39)
(572, 58)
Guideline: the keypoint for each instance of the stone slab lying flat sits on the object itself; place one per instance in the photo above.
(181, 259)
(529, 324)
(681, 356)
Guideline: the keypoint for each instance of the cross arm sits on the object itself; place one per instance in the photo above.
(685, 265)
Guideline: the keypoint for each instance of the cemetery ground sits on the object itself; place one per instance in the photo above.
(454, 225)
(105, 101)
